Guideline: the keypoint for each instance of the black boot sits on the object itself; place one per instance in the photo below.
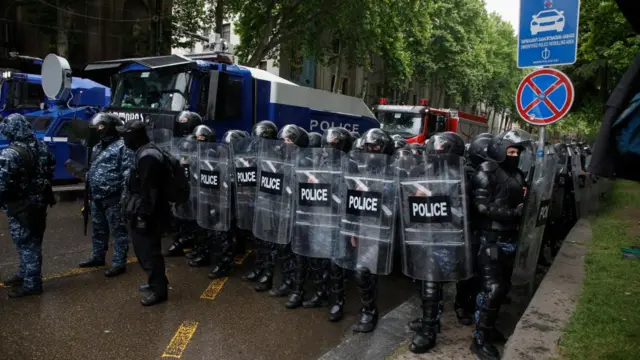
(425, 338)
(265, 282)
(258, 264)
(481, 345)
(177, 247)
(203, 258)
(465, 302)
(287, 264)
(369, 312)
(223, 267)
(297, 293)
(92, 263)
(320, 278)
(337, 289)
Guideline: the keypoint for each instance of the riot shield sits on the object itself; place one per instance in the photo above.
(81, 141)
(162, 138)
(186, 150)
(527, 162)
(576, 169)
(214, 186)
(435, 236)
(559, 186)
(318, 187)
(274, 193)
(368, 217)
(534, 219)
(244, 153)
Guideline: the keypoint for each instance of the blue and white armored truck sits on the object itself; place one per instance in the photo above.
(62, 99)
(228, 96)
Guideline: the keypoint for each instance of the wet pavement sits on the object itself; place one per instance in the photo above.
(83, 315)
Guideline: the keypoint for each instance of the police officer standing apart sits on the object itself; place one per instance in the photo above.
(110, 165)
(498, 190)
(26, 171)
(146, 208)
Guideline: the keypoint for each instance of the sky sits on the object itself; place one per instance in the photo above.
(509, 10)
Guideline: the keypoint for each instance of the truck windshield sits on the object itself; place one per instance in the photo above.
(39, 123)
(403, 124)
(163, 89)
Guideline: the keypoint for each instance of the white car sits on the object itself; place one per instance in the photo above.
(547, 20)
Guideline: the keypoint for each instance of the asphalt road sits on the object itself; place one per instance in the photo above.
(83, 315)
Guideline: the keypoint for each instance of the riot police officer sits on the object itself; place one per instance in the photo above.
(264, 263)
(186, 229)
(26, 172)
(340, 139)
(438, 147)
(110, 166)
(499, 189)
(201, 256)
(466, 290)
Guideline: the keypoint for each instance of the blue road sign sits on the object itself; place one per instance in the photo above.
(544, 97)
(548, 34)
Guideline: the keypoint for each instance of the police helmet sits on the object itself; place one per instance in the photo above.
(358, 144)
(234, 135)
(377, 141)
(477, 153)
(355, 135)
(396, 137)
(446, 142)
(204, 133)
(109, 122)
(294, 134)
(516, 138)
(186, 122)
(265, 129)
(337, 138)
(315, 140)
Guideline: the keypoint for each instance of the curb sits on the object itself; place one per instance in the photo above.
(541, 326)
(390, 333)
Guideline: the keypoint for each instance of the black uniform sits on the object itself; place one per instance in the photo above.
(187, 230)
(498, 189)
(146, 208)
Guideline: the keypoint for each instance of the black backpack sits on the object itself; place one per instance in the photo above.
(176, 186)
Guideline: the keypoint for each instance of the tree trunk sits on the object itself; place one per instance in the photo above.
(219, 15)
(336, 74)
(493, 119)
(62, 36)
(365, 86)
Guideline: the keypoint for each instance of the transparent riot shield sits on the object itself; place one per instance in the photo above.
(318, 187)
(81, 141)
(534, 219)
(559, 186)
(575, 178)
(274, 192)
(435, 236)
(162, 138)
(527, 162)
(369, 213)
(214, 186)
(186, 150)
(244, 153)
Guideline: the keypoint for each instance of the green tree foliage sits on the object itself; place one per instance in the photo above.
(188, 17)
(607, 46)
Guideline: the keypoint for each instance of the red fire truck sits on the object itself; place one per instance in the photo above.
(417, 123)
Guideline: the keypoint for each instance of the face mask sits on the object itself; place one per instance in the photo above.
(511, 162)
(130, 140)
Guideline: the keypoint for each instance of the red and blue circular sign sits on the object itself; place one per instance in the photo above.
(544, 97)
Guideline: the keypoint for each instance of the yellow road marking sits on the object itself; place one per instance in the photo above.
(240, 259)
(180, 340)
(213, 289)
(76, 271)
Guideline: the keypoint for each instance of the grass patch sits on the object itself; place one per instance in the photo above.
(606, 323)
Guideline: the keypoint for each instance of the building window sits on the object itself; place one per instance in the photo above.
(226, 32)
(262, 65)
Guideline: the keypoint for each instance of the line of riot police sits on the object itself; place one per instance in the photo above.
(323, 206)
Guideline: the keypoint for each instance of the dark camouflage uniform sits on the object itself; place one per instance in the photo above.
(16, 184)
(110, 166)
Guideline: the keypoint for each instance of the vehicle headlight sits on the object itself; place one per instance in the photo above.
(534, 23)
(561, 20)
